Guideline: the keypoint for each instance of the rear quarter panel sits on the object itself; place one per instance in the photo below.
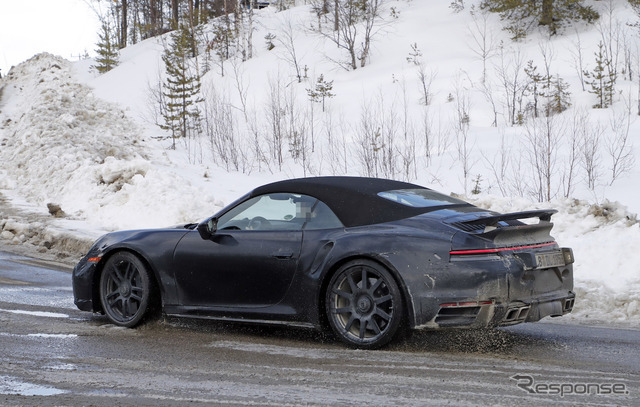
(418, 259)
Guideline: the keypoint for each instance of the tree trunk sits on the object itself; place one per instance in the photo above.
(546, 18)
(153, 16)
(124, 29)
(192, 24)
(250, 30)
(175, 10)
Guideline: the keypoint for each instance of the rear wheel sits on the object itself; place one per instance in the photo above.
(126, 289)
(364, 304)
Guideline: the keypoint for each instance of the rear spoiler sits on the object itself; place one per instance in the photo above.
(488, 227)
(544, 215)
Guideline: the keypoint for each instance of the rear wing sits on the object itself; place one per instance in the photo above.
(544, 215)
(502, 229)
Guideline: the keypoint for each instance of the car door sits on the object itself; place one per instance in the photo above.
(251, 259)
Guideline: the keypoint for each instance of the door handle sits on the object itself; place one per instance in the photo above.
(282, 255)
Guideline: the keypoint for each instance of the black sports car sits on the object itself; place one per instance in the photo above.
(368, 257)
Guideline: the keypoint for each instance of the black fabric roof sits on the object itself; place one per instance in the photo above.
(354, 200)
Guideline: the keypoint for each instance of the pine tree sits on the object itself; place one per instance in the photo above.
(269, 41)
(477, 189)
(602, 79)
(181, 87)
(522, 15)
(536, 85)
(107, 51)
(223, 41)
(322, 91)
(554, 91)
(559, 98)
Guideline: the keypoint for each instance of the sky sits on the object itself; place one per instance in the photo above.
(63, 27)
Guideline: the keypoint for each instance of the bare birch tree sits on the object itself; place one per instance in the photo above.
(356, 23)
(510, 75)
(618, 145)
(482, 43)
(543, 137)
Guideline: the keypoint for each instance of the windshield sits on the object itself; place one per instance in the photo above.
(419, 198)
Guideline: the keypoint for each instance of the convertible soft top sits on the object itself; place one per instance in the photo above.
(354, 200)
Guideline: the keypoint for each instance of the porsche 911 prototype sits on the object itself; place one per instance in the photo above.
(366, 258)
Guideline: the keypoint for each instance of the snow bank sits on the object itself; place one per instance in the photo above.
(61, 144)
(604, 239)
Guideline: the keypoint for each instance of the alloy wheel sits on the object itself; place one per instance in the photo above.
(364, 305)
(125, 289)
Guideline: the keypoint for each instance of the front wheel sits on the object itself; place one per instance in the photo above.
(126, 289)
(364, 305)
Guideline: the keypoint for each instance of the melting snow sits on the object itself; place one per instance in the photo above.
(36, 313)
(9, 385)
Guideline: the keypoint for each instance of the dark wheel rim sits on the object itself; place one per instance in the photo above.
(124, 291)
(361, 304)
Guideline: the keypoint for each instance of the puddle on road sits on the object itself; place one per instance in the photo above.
(63, 366)
(13, 386)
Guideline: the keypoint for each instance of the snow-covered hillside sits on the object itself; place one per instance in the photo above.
(89, 144)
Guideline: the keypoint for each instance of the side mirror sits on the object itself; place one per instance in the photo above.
(208, 228)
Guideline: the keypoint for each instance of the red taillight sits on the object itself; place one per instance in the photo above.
(94, 259)
(502, 249)
(465, 304)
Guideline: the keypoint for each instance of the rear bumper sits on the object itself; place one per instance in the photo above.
(485, 314)
(490, 291)
(517, 312)
(539, 309)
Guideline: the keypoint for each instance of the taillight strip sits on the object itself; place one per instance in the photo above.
(502, 249)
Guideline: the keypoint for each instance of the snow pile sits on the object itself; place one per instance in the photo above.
(68, 147)
(605, 239)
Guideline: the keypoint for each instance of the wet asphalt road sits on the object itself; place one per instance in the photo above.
(51, 354)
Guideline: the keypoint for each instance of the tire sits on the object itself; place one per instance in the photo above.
(364, 305)
(126, 289)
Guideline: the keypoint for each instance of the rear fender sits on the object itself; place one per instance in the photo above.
(413, 262)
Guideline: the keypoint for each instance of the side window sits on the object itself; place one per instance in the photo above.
(282, 211)
(321, 217)
(265, 212)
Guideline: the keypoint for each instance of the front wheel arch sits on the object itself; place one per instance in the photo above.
(155, 300)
